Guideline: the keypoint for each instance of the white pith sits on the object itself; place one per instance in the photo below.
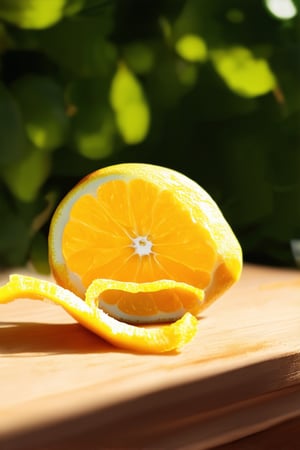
(142, 245)
(114, 311)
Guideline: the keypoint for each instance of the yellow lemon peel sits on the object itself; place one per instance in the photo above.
(154, 339)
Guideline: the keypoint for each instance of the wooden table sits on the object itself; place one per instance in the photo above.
(64, 388)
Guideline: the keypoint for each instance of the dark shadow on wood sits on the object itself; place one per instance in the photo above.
(45, 338)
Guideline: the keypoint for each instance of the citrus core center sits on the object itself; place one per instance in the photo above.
(142, 245)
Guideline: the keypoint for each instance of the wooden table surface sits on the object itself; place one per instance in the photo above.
(64, 388)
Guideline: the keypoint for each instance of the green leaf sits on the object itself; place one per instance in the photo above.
(133, 122)
(38, 255)
(25, 177)
(93, 128)
(41, 101)
(243, 73)
(221, 104)
(32, 13)
(125, 89)
(94, 138)
(80, 46)
(14, 232)
(130, 106)
(139, 57)
(191, 48)
(12, 134)
(170, 80)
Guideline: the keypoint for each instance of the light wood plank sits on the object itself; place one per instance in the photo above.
(59, 380)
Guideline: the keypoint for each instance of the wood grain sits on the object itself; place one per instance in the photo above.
(285, 436)
(63, 387)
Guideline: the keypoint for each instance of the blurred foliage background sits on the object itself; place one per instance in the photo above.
(210, 88)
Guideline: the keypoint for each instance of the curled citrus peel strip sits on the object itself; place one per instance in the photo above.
(158, 339)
